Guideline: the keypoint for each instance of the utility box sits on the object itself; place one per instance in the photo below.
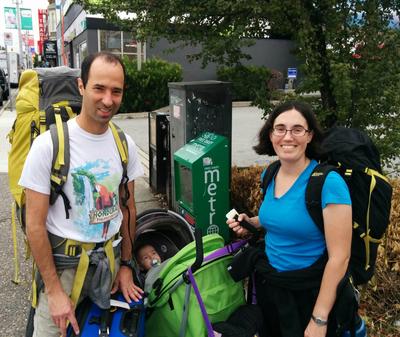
(159, 151)
(202, 169)
(197, 107)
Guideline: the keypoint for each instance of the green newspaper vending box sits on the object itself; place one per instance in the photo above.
(202, 183)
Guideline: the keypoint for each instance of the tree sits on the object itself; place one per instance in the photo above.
(351, 55)
(221, 27)
(349, 52)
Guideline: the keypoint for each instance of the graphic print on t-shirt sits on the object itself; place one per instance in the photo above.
(96, 197)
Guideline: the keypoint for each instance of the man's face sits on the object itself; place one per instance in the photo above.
(102, 95)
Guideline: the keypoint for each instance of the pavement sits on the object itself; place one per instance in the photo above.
(14, 299)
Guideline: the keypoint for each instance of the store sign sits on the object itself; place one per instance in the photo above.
(50, 50)
(42, 18)
(26, 19)
(76, 28)
(10, 16)
(28, 39)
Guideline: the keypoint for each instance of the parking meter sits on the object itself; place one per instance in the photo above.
(202, 170)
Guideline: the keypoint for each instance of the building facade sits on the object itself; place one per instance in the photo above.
(79, 34)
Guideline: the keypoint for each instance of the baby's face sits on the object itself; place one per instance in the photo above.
(146, 256)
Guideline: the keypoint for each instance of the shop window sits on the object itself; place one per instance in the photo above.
(110, 41)
(83, 51)
(130, 47)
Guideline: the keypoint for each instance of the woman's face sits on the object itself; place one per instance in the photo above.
(290, 146)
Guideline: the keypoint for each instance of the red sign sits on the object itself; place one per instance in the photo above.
(28, 39)
(42, 18)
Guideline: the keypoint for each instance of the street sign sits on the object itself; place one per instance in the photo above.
(8, 38)
(292, 73)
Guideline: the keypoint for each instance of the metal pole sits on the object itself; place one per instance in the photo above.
(21, 50)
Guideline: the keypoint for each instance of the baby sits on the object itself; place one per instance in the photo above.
(147, 257)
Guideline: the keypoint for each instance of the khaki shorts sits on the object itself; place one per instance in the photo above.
(43, 323)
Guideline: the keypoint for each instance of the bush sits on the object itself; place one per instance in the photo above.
(249, 83)
(147, 89)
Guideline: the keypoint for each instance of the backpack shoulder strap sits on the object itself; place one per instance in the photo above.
(122, 145)
(269, 174)
(60, 163)
(314, 193)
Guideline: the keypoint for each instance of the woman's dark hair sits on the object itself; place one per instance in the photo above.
(313, 150)
(87, 63)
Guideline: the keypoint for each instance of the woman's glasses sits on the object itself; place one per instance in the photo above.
(296, 131)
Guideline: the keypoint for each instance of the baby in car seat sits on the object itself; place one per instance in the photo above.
(150, 265)
(147, 257)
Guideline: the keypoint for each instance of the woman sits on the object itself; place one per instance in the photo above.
(297, 282)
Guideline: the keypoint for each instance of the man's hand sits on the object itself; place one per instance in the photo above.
(62, 310)
(124, 282)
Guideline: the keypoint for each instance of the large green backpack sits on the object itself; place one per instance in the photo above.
(47, 98)
(352, 154)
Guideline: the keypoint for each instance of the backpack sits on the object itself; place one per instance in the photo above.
(352, 154)
(42, 93)
(47, 98)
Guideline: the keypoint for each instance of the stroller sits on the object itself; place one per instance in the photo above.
(193, 290)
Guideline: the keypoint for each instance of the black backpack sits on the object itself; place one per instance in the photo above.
(352, 154)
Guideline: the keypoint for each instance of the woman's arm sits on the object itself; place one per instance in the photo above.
(338, 231)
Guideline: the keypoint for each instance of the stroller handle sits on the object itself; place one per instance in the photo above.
(256, 234)
(199, 250)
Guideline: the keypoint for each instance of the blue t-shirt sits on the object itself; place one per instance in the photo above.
(293, 240)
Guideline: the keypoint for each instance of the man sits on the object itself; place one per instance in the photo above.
(94, 162)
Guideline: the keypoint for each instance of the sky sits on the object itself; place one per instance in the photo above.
(34, 5)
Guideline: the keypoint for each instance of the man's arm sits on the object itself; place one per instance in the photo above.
(124, 279)
(128, 230)
(60, 306)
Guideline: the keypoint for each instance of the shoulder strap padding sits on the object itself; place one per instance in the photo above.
(314, 193)
(61, 156)
(122, 145)
(269, 174)
(66, 113)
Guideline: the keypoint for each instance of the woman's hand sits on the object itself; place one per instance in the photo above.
(314, 330)
(236, 227)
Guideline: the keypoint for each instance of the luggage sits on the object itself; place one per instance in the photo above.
(353, 155)
(121, 320)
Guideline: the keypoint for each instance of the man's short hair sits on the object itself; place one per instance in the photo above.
(87, 63)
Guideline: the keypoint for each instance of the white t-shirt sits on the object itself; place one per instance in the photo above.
(92, 185)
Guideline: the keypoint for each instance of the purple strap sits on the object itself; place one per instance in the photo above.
(210, 331)
(228, 249)
(253, 290)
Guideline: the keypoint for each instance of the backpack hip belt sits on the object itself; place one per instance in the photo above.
(69, 253)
